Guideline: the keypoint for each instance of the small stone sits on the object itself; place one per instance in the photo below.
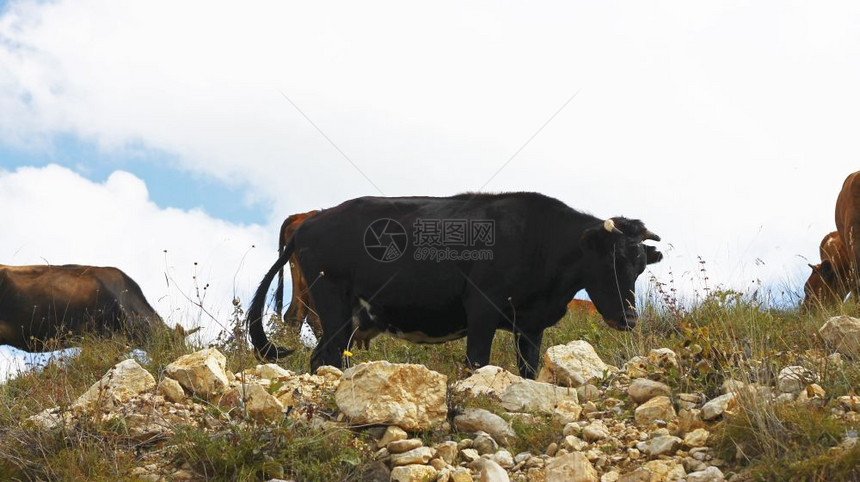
(716, 407)
(657, 408)
(595, 431)
(843, 334)
(663, 358)
(492, 472)
(392, 434)
(587, 392)
(413, 473)
(447, 451)
(697, 438)
(551, 449)
(400, 446)
(573, 467)
(710, 474)
(469, 455)
(171, 390)
(792, 379)
(574, 443)
(503, 458)
(662, 445)
(643, 389)
(485, 444)
(421, 455)
(477, 419)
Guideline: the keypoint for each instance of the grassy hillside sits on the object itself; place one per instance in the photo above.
(726, 336)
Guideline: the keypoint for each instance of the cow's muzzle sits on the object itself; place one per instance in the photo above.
(626, 323)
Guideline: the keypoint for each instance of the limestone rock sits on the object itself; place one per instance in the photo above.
(711, 474)
(792, 379)
(595, 431)
(401, 446)
(201, 373)
(487, 380)
(663, 358)
(665, 470)
(171, 390)
(843, 334)
(478, 419)
(407, 395)
(413, 473)
(533, 396)
(716, 407)
(697, 438)
(122, 382)
(420, 455)
(261, 404)
(643, 389)
(493, 472)
(662, 445)
(271, 371)
(573, 364)
(657, 408)
(392, 434)
(572, 467)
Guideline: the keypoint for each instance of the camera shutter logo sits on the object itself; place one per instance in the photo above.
(385, 240)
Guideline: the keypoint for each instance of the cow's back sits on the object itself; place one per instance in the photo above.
(38, 303)
(848, 216)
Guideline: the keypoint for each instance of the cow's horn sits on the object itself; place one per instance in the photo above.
(609, 225)
(649, 235)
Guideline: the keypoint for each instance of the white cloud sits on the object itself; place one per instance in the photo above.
(728, 128)
(179, 258)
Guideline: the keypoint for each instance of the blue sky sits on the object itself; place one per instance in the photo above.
(168, 185)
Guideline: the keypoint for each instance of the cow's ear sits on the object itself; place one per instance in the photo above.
(652, 255)
(595, 239)
(825, 269)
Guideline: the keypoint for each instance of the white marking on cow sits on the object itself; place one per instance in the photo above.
(366, 306)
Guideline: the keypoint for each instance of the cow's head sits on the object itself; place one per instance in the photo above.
(830, 280)
(615, 256)
(824, 287)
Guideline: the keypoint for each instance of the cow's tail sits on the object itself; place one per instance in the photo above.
(261, 343)
(279, 289)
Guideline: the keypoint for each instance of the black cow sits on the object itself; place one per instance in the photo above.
(365, 256)
(41, 303)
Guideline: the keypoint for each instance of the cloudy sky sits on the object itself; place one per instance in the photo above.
(171, 138)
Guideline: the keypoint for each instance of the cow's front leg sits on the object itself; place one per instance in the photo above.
(528, 352)
(479, 336)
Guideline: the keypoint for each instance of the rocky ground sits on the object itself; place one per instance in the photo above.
(614, 423)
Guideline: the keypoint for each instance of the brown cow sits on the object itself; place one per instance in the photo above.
(848, 224)
(40, 303)
(582, 307)
(301, 305)
(830, 280)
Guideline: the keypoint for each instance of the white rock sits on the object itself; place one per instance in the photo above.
(572, 467)
(493, 472)
(487, 380)
(643, 389)
(413, 473)
(407, 395)
(171, 390)
(533, 396)
(792, 379)
(843, 334)
(711, 474)
(420, 455)
(478, 419)
(573, 364)
(272, 371)
(716, 407)
(201, 373)
(657, 408)
(392, 434)
(123, 381)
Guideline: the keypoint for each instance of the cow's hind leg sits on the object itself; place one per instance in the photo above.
(335, 312)
(528, 353)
